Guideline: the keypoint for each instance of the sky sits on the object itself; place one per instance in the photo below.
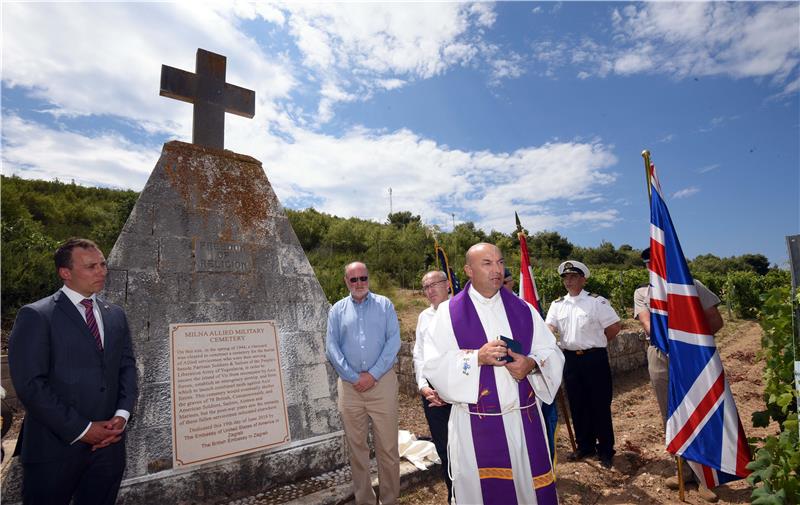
(467, 111)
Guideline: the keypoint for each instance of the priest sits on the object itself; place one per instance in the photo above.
(498, 450)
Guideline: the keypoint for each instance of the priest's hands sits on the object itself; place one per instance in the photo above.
(365, 381)
(492, 352)
(521, 366)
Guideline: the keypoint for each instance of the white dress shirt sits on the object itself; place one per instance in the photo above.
(76, 299)
(424, 331)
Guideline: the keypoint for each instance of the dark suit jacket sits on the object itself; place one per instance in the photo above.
(61, 378)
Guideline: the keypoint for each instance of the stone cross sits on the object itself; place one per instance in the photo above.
(211, 95)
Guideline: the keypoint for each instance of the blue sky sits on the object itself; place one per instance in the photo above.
(477, 110)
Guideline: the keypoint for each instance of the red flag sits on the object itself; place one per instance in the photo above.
(527, 285)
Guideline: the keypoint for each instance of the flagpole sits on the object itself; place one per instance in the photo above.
(646, 156)
(559, 395)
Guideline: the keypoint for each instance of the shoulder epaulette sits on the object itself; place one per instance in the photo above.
(559, 299)
(594, 295)
(644, 285)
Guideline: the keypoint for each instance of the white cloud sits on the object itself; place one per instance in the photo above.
(685, 192)
(389, 84)
(682, 39)
(510, 67)
(633, 62)
(105, 58)
(358, 47)
(708, 168)
(666, 139)
(791, 89)
(109, 160)
(717, 122)
(352, 174)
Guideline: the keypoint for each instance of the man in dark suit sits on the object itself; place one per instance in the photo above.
(73, 368)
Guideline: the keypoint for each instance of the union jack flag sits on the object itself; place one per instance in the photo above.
(703, 424)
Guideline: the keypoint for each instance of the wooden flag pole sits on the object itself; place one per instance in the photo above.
(567, 421)
(680, 479)
(646, 156)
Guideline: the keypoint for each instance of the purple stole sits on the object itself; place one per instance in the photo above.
(488, 432)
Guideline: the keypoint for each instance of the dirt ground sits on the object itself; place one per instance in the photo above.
(641, 464)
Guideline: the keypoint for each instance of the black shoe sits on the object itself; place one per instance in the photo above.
(606, 462)
(579, 455)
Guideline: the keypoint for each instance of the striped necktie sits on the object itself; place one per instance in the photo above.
(91, 322)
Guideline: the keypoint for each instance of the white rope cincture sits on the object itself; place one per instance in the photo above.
(504, 412)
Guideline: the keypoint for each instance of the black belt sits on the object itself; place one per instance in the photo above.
(581, 352)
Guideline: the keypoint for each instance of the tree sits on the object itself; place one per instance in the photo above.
(310, 226)
(402, 219)
(758, 262)
(549, 244)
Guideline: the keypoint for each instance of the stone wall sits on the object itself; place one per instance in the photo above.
(628, 351)
(405, 368)
(625, 353)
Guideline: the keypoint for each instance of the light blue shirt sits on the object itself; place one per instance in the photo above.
(362, 337)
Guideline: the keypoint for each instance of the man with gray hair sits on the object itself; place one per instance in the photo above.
(362, 343)
(437, 411)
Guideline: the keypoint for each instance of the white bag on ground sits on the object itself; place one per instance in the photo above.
(416, 451)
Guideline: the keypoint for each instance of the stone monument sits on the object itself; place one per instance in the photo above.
(208, 241)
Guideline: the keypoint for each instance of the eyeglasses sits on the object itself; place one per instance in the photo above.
(432, 284)
(363, 278)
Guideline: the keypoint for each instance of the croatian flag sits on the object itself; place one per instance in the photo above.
(527, 284)
(703, 424)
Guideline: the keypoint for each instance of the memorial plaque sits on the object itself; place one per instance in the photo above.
(227, 390)
(221, 257)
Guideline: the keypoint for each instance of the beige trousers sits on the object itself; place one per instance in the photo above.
(658, 367)
(378, 404)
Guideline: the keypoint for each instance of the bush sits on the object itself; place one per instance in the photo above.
(775, 468)
(743, 290)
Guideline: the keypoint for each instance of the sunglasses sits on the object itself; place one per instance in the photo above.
(363, 278)
(432, 284)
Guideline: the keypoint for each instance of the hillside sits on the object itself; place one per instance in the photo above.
(37, 215)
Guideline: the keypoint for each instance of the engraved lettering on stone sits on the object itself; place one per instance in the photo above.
(221, 257)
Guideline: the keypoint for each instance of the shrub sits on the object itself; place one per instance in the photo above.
(775, 468)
